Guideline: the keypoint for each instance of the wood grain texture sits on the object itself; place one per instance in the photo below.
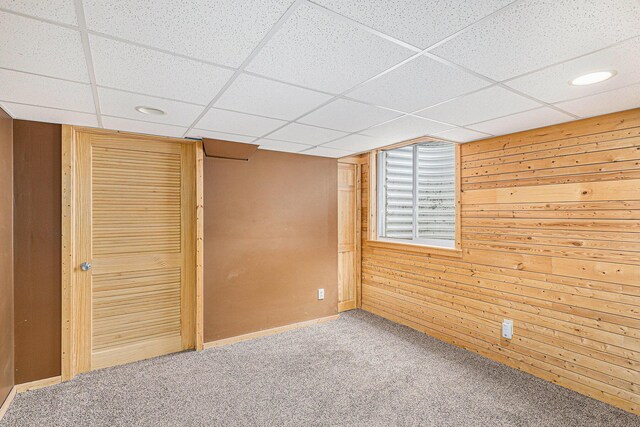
(348, 236)
(550, 238)
(133, 215)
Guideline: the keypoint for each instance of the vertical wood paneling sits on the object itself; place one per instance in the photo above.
(550, 233)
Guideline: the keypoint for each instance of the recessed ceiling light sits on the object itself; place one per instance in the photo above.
(150, 111)
(591, 78)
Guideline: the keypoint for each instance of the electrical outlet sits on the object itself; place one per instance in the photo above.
(321, 293)
(507, 329)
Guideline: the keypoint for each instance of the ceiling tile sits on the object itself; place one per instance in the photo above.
(356, 143)
(264, 97)
(418, 22)
(327, 152)
(55, 10)
(317, 51)
(304, 134)
(49, 115)
(405, 128)
(522, 121)
(273, 145)
(38, 47)
(127, 125)
(124, 66)
(480, 106)
(461, 135)
(624, 98)
(552, 84)
(201, 133)
(418, 84)
(123, 104)
(511, 43)
(222, 31)
(46, 92)
(238, 123)
(348, 116)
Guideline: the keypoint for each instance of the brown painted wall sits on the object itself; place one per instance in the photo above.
(6, 255)
(551, 240)
(270, 241)
(37, 230)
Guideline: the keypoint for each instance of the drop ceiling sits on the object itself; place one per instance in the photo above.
(323, 77)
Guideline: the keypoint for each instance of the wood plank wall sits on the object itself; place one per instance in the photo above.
(550, 239)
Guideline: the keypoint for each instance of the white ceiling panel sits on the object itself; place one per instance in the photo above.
(348, 116)
(125, 66)
(46, 92)
(264, 97)
(273, 145)
(222, 31)
(536, 33)
(461, 135)
(41, 48)
(238, 123)
(201, 133)
(608, 102)
(127, 125)
(305, 134)
(480, 106)
(404, 128)
(418, 84)
(55, 10)
(317, 51)
(356, 143)
(49, 115)
(522, 121)
(552, 84)
(418, 22)
(122, 104)
(327, 152)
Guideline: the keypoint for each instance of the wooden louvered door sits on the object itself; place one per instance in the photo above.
(135, 225)
(348, 236)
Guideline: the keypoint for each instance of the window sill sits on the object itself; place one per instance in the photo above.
(416, 248)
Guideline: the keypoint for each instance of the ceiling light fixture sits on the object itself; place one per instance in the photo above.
(150, 111)
(591, 78)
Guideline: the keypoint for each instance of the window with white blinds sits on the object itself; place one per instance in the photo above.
(417, 194)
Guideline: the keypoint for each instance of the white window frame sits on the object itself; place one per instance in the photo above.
(377, 200)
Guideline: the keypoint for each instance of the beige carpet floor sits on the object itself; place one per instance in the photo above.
(359, 370)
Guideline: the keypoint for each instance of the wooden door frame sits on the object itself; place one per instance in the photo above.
(71, 315)
(357, 161)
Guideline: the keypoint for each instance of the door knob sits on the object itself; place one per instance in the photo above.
(85, 266)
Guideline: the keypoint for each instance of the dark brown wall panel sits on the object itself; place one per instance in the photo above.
(6, 255)
(270, 241)
(37, 231)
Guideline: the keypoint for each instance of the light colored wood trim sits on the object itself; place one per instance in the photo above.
(71, 360)
(347, 305)
(353, 160)
(415, 248)
(112, 133)
(372, 229)
(458, 203)
(267, 332)
(199, 246)
(358, 236)
(68, 148)
(7, 402)
(35, 385)
(417, 140)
